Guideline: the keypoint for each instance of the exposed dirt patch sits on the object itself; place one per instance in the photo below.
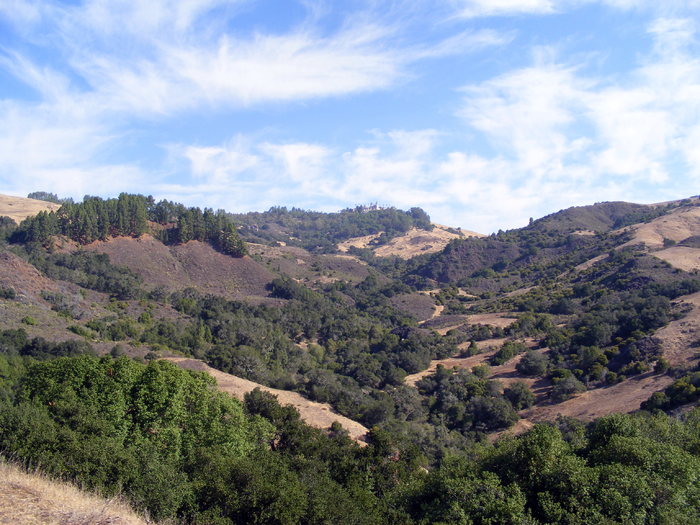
(420, 306)
(24, 279)
(18, 208)
(417, 242)
(499, 319)
(683, 257)
(590, 262)
(413, 242)
(357, 242)
(675, 226)
(319, 415)
(31, 498)
(487, 349)
(679, 337)
(519, 291)
(194, 264)
(623, 397)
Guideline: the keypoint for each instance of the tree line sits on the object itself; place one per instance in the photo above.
(132, 215)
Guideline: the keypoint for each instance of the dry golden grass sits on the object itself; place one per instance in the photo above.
(675, 226)
(683, 257)
(319, 415)
(413, 242)
(32, 498)
(18, 208)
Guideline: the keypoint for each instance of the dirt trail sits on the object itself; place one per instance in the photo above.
(319, 415)
(438, 309)
(487, 347)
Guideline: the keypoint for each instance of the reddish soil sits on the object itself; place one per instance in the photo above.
(319, 415)
(27, 281)
(194, 264)
(420, 306)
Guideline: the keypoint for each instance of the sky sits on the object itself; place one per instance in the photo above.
(482, 112)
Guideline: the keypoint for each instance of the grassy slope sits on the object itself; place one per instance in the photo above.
(32, 498)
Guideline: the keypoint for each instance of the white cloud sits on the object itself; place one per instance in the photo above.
(474, 8)
(484, 8)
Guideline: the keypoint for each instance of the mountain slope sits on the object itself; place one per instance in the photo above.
(31, 498)
(18, 208)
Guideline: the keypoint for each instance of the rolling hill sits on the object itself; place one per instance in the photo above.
(375, 319)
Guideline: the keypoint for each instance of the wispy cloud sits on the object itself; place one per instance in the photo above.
(559, 136)
(101, 67)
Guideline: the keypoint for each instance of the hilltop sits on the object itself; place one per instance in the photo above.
(19, 208)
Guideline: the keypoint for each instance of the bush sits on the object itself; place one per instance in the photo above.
(507, 352)
(519, 395)
(481, 370)
(533, 364)
(567, 388)
(7, 293)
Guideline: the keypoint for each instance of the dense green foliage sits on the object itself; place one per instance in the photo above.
(89, 270)
(176, 448)
(48, 197)
(466, 402)
(129, 215)
(320, 232)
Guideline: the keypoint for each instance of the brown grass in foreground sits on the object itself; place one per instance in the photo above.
(32, 498)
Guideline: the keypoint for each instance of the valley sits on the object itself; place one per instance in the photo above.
(389, 336)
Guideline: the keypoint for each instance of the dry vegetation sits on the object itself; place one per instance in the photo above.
(32, 498)
(683, 257)
(487, 348)
(319, 415)
(675, 226)
(194, 264)
(412, 243)
(18, 208)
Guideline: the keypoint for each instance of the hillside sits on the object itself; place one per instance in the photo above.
(420, 340)
(319, 415)
(31, 498)
(18, 208)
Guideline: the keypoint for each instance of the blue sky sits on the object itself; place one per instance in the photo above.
(482, 112)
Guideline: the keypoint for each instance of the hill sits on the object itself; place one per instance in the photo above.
(375, 318)
(18, 208)
(319, 415)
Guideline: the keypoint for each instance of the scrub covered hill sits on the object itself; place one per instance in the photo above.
(530, 318)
